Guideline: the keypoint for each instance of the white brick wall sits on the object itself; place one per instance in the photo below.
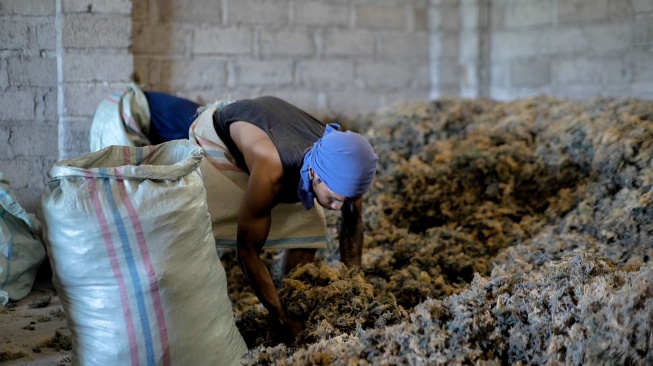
(309, 51)
(570, 48)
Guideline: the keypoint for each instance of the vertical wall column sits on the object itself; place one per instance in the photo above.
(93, 60)
(444, 47)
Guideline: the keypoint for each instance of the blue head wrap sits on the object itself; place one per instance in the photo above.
(345, 161)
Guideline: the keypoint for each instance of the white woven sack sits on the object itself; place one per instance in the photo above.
(121, 119)
(134, 261)
(21, 250)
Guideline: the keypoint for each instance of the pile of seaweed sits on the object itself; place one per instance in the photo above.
(500, 232)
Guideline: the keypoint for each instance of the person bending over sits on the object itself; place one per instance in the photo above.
(291, 156)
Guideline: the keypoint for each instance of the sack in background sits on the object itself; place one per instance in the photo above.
(121, 119)
(134, 261)
(21, 250)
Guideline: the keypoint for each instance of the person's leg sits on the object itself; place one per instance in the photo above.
(295, 257)
(170, 116)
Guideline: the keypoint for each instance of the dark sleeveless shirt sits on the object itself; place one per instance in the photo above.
(291, 130)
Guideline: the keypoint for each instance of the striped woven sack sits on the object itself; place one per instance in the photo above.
(292, 225)
(129, 239)
(21, 250)
(121, 119)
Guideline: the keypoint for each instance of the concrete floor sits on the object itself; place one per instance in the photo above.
(24, 327)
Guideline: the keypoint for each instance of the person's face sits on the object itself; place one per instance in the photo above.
(325, 197)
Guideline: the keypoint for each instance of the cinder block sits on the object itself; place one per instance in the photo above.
(97, 6)
(578, 71)
(191, 11)
(618, 69)
(219, 40)
(46, 34)
(642, 66)
(50, 108)
(4, 77)
(420, 19)
(259, 12)
(469, 16)
(619, 9)
(381, 17)
(17, 105)
(582, 10)
(404, 46)
(507, 45)
(141, 11)
(350, 103)
(83, 30)
(469, 46)
(26, 177)
(349, 43)
(150, 70)
(255, 72)
(33, 139)
(30, 8)
(444, 46)
(306, 99)
(160, 39)
(643, 32)
(569, 39)
(530, 73)
(83, 66)
(642, 90)
(319, 13)
(287, 43)
(500, 75)
(32, 71)
(326, 73)
(446, 17)
(81, 100)
(641, 6)
(604, 37)
(386, 75)
(199, 72)
(74, 137)
(13, 35)
(530, 14)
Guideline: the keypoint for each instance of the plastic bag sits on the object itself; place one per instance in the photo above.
(21, 250)
(134, 261)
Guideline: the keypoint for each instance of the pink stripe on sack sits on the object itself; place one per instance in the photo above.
(115, 266)
(149, 268)
(152, 151)
(126, 155)
(125, 116)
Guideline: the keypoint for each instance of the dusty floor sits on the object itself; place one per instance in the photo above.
(34, 329)
(496, 233)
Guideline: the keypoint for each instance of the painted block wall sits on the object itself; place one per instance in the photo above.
(328, 57)
(28, 95)
(509, 49)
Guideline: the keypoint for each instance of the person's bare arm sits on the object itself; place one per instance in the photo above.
(351, 234)
(254, 216)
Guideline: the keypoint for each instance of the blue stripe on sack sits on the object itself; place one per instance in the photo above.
(9, 252)
(282, 241)
(214, 154)
(139, 156)
(129, 258)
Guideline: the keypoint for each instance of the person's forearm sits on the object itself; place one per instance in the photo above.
(351, 235)
(261, 282)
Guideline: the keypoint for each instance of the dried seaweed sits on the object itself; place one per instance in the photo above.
(496, 233)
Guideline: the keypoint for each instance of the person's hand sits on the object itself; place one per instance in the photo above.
(286, 329)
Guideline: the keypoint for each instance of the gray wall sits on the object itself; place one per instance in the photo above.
(59, 58)
(507, 49)
(326, 56)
